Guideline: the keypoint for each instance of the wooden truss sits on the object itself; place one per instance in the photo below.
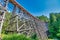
(24, 23)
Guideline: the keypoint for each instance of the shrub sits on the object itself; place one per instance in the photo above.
(16, 37)
(34, 37)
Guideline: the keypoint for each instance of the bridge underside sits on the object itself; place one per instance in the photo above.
(23, 22)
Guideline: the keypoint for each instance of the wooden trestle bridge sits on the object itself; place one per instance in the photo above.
(22, 21)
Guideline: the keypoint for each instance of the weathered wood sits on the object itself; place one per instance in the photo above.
(2, 20)
(29, 22)
(14, 11)
(26, 29)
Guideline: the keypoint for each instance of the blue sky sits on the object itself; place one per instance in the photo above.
(40, 7)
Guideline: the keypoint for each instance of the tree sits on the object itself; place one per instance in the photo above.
(54, 25)
(34, 36)
(43, 18)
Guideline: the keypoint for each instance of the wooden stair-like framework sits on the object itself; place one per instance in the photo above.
(23, 22)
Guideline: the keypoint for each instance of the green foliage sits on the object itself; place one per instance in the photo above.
(52, 18)
(43, 18)
(34, 36)
(16, 37)
(54, 25)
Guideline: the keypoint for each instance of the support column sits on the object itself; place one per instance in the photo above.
(17, 21)
(43, 35)
(3, 11)
(14, 11)
(37, 30)
(35, 27)
(13, 14)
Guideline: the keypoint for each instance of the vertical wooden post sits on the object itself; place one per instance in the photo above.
(37, 31)
(3, 11)
(17, 21)
(40, 27)
(14, 10)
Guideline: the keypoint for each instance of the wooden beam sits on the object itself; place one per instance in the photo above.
(26, 29)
